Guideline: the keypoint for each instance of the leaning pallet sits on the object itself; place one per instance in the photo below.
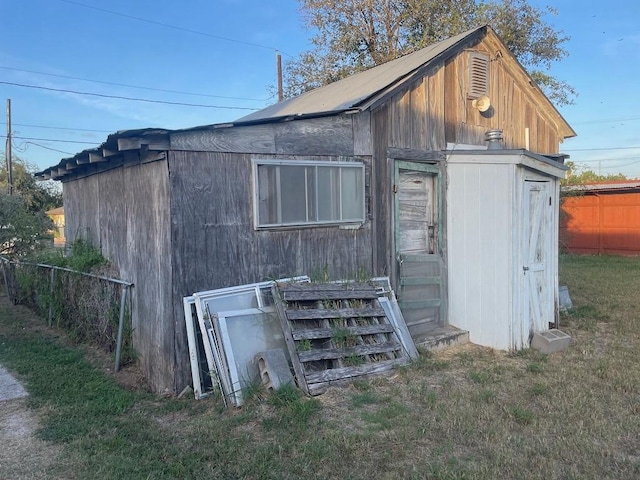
(336, 333)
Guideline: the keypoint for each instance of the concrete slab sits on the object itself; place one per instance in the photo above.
(10, 388)
(443, 338)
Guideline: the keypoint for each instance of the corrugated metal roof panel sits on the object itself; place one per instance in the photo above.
(352, 91)
(603, 186)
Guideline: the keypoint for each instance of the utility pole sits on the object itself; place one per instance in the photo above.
(8, 150)
(279, 66)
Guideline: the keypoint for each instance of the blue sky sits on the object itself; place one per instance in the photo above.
(233, 66)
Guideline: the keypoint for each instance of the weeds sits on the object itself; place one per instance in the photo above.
(484, 414)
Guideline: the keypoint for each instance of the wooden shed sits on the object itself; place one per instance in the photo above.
(363, 176)
(602, 218)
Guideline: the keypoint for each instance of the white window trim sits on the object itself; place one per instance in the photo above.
(305, 163)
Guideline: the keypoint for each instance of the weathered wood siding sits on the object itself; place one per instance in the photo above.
(125, 212)
(333, 135)
(435, 109)
(216, 245)
(515, 107)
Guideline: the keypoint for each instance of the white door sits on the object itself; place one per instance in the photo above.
(537, 255)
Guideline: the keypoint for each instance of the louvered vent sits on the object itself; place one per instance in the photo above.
(478, 75)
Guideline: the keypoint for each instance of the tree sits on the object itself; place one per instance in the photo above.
(580, 176)
(37, 196)
(354, 35)
(21, 230)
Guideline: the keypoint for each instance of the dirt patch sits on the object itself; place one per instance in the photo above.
(22, 454)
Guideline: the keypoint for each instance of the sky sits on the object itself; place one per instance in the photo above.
(219, 58)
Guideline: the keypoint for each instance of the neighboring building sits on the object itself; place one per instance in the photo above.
(57, 217)
(602, 218)
(386, 173)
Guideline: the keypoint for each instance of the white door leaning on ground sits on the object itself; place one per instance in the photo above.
(537, 252)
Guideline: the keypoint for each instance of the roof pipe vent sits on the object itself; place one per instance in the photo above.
(494, 137)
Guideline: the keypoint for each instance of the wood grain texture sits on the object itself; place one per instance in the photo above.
(356, 371)
(362, 134)
(127, 217)
(418, 124)
(254, 139)
(317, 333)
(332, 135)
(289, 340)
(215, 244)
(334, 353)
(436, 85)
(383, 198)
(317, 313)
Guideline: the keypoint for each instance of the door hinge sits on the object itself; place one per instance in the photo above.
(395, 188)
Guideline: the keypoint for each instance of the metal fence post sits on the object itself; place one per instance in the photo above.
(123, 301)
(4, 274)
(51, 280)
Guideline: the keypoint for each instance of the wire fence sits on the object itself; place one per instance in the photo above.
(92, 308)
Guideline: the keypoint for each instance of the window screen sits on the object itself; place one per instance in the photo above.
(303, 193)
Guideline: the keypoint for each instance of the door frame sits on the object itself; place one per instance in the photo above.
(433, 164)
(546, 311)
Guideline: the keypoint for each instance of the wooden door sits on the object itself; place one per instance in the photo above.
(537, 254)
(417, 245)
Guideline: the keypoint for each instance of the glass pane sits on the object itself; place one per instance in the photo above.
(352, 194)
(328, 193)
(231, 301)
(248, 335)
(293, 194)
(267, 195)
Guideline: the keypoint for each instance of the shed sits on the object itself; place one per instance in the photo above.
(364, 176)
(602, 218)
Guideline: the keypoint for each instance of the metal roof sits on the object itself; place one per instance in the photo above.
(352, 92)
(604, 186)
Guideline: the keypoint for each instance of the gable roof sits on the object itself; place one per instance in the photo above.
(362, 91)
(368, 89)
(358, 91)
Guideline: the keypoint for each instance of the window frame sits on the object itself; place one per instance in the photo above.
(257, 162)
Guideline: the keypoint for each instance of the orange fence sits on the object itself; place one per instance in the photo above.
(601, 223)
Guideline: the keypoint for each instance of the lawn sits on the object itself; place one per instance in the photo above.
(469, 413)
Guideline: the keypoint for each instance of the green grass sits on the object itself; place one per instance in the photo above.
(470, 413)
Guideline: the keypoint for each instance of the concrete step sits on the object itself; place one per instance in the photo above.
(442, 338)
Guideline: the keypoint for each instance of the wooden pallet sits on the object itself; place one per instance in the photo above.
(336, 333)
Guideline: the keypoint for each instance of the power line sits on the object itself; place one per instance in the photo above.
(133, 86)
(608, 120)
(50, 140)
(607, 159)
(174, 27)
(599, 149)
(47, 148)
(623, 165)
(57, 128)
(102, 95)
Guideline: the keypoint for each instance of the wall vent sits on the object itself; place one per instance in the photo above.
(478, 74)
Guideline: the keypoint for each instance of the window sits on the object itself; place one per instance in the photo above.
(308, 193)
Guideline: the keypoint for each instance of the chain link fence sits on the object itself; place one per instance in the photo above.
(92, 308)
